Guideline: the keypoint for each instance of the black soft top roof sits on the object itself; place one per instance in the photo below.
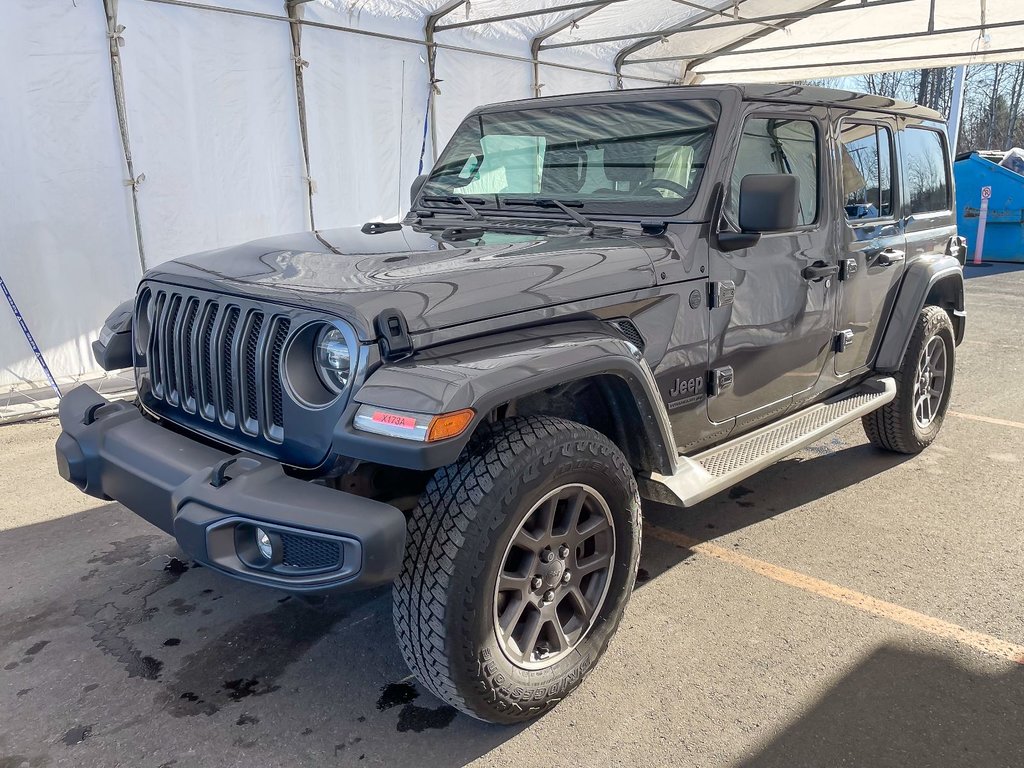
(777, 92)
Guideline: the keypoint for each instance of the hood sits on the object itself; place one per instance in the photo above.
(435, 284)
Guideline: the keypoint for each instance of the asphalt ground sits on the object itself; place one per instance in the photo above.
(843, 608)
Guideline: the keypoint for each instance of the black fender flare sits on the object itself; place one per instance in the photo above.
(487, 372)
(113, 349)
(925, 277)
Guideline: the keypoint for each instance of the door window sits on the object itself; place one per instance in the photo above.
(925, 171)
(867, 171)
(778, 145)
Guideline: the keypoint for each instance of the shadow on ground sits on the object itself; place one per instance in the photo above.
(900, 708)
(113, 650)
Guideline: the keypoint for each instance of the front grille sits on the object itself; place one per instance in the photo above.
(308, 553)
(217, 360)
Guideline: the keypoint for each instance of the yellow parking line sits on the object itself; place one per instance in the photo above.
(919, 621)
(987, 419)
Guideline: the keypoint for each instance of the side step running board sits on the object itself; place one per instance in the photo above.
(714, 470)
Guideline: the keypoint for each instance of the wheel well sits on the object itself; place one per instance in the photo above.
(948, 293)
(604, 402)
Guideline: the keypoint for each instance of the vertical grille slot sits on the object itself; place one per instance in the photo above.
(276, 351)
(187, 354)
(251, 390)
(207, 386)
(155, 352)
(228, 361)
(171, 357)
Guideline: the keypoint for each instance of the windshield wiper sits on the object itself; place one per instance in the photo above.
(457, 200)
(549, 202)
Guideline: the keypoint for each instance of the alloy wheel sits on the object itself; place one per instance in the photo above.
(554, 576)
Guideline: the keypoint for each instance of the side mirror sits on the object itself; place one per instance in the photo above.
(416, 186)
(769, 202)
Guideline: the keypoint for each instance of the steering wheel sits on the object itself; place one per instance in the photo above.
(668, 184)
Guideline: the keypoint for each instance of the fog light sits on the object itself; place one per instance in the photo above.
(264, 545)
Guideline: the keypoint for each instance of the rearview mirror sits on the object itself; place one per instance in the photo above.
(769, 202)
(416, 186)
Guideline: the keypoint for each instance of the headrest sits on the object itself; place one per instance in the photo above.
(628, 161)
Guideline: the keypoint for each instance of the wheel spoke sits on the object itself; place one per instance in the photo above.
(513, 582)
(531, 634)
(563, 641)
(575, 510)
(525, 540)
(547, 518)
(509, 619)
(583, 608)
(591, 528)
(594, 562)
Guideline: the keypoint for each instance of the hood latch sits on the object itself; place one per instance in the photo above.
(393, 335)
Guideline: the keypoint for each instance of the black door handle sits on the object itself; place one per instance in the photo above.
(890, 256)
(819, 270)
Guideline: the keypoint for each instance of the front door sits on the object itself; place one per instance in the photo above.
(874, 243)
(773, 313)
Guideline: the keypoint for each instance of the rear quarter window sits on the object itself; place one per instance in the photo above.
(925, 170)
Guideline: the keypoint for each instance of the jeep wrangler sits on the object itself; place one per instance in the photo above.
(593, 297)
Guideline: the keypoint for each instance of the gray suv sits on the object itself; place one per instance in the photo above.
(593, 298)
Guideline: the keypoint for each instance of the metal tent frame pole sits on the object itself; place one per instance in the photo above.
(826, 44)
(695, 24)
(956, 107)
(433, 91)
(554, 29)
(905, 62)
(294, 7)
(114, 31)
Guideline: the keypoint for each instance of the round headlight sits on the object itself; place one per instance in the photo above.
(333, 359)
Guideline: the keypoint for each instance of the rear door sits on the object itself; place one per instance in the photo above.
(873, 242)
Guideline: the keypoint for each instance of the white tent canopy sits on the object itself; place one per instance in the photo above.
(135, 131)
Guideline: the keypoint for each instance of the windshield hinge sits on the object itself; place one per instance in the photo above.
(653, 226)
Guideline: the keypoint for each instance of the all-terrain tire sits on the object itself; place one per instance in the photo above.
(893, 427)
(444, 600)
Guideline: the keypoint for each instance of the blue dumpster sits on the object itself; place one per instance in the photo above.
(1004, 228)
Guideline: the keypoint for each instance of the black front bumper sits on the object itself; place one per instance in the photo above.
(212, 501)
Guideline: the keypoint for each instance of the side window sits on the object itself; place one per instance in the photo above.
(778, 145)
(867, 170)
(925, 171)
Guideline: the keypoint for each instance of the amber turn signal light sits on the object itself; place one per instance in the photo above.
(449, 424)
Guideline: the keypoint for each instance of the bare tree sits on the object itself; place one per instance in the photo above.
(993, 99)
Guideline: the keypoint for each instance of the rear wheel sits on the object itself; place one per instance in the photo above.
(924, 382)
(521, 557)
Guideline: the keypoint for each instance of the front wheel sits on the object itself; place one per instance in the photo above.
(520, 560)
(910, 422)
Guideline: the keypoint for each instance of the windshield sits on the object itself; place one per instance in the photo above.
(643, 157)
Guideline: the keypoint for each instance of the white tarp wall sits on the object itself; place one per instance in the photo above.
(211, 106)
(214, 128)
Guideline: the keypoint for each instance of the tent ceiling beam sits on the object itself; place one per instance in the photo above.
(953, 58)
(847, 41)
(734, 16)
(526, 14)
(554, 29)
(749, 38)
(395, 38)
(695, 25)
